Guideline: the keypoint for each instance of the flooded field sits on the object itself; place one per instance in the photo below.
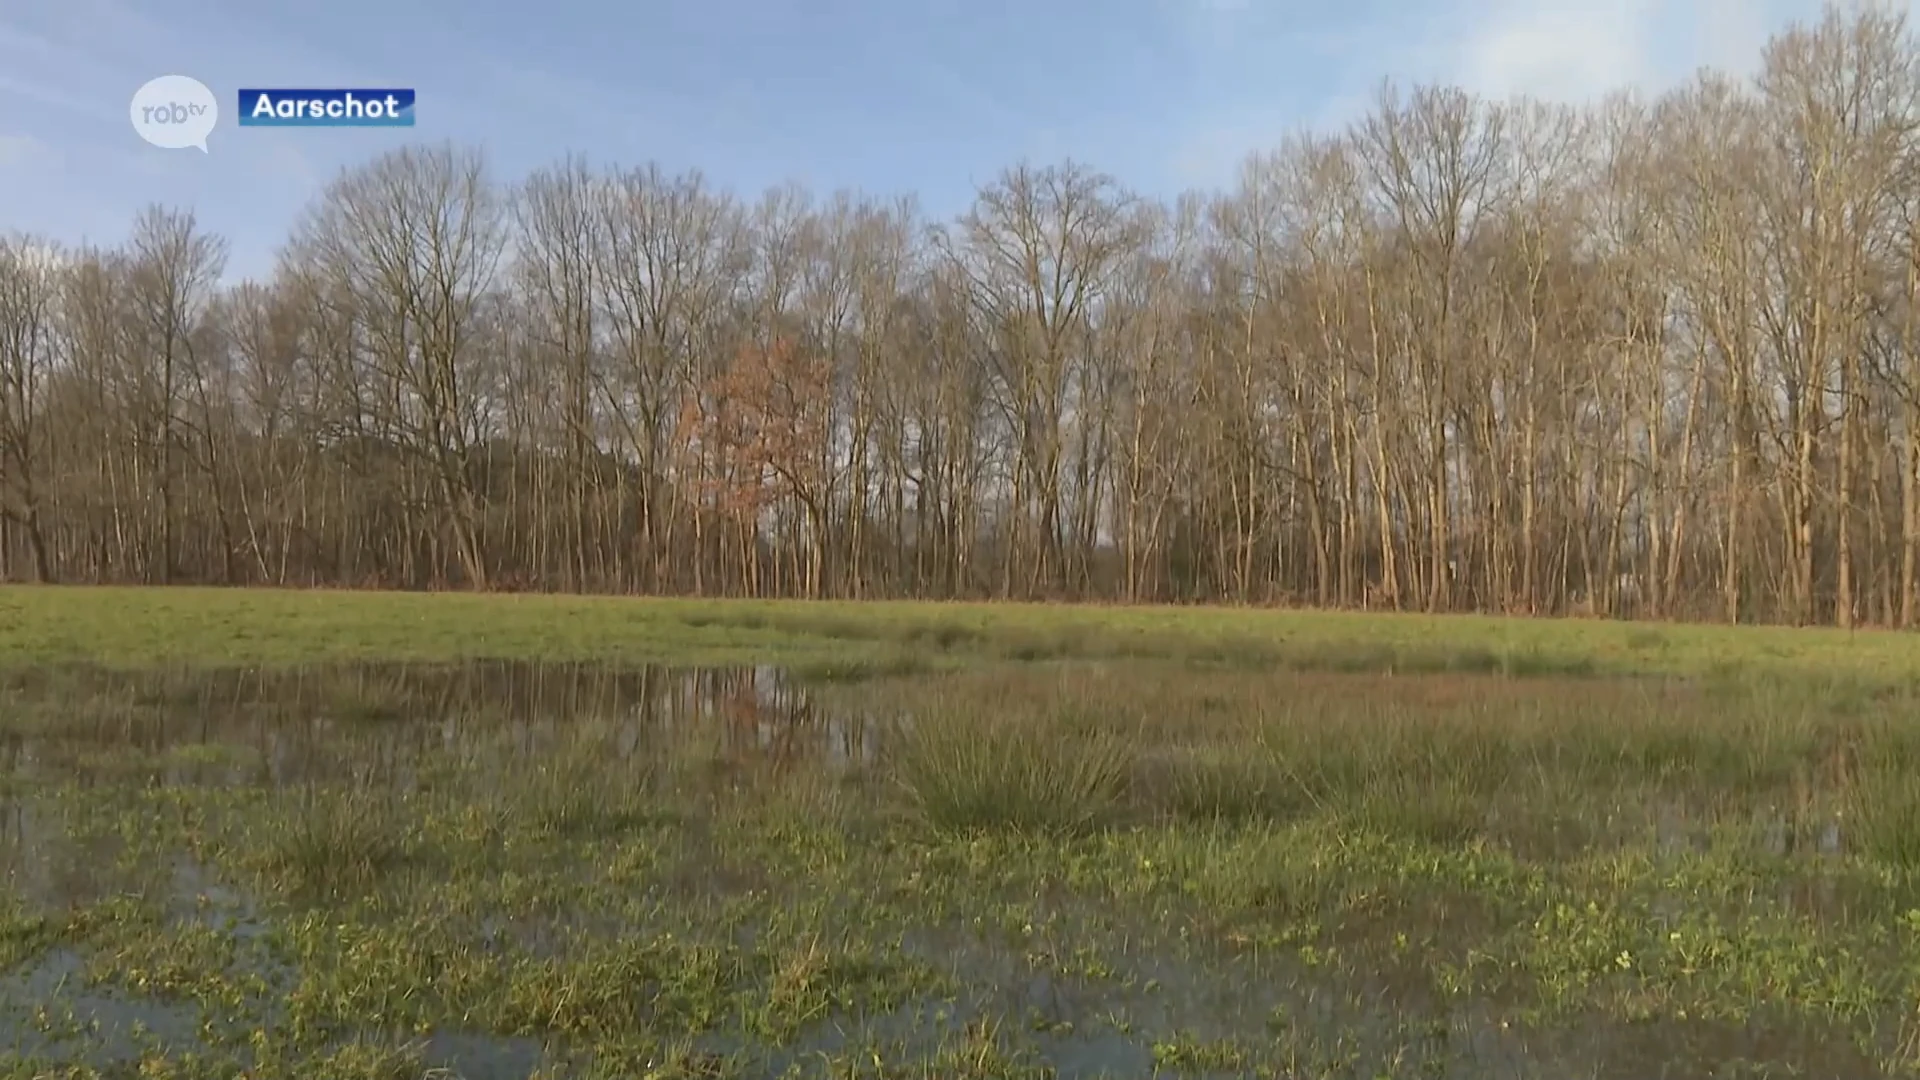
(509, 870)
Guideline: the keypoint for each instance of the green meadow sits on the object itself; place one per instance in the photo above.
(203, 627)
(356, 835)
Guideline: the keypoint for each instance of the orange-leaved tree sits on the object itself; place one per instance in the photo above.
(768, 425)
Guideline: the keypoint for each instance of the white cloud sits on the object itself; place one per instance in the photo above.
(1579, 50)
(1570, 51)
(1564, 51)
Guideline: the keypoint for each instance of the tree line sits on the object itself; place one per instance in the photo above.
(1646, 358)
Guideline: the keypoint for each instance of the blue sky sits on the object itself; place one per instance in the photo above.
(932, 97)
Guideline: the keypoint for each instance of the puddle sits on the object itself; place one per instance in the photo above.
(279, 728)
(95, 1026)
(402, 729)
(483, 1057)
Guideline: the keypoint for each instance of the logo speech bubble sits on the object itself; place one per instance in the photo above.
(174, 112)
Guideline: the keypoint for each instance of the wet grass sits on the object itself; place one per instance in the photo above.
(1122, 855)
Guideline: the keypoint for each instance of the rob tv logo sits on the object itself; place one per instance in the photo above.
(174, 112)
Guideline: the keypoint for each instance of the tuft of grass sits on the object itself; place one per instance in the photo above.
(1882, 798)
(1886, 820)
(577, 793)
(332, 845)
(1229, 783)
(24, 935)
(1037, 774)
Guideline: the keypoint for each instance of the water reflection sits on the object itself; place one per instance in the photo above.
(280, 728)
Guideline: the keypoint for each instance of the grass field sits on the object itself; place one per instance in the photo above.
(133, 627)
(299, 834)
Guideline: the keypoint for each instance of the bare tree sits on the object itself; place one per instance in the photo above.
(1041, 246)
(413, 242)
(29, 294)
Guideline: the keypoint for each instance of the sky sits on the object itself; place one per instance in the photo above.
(929, 97)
